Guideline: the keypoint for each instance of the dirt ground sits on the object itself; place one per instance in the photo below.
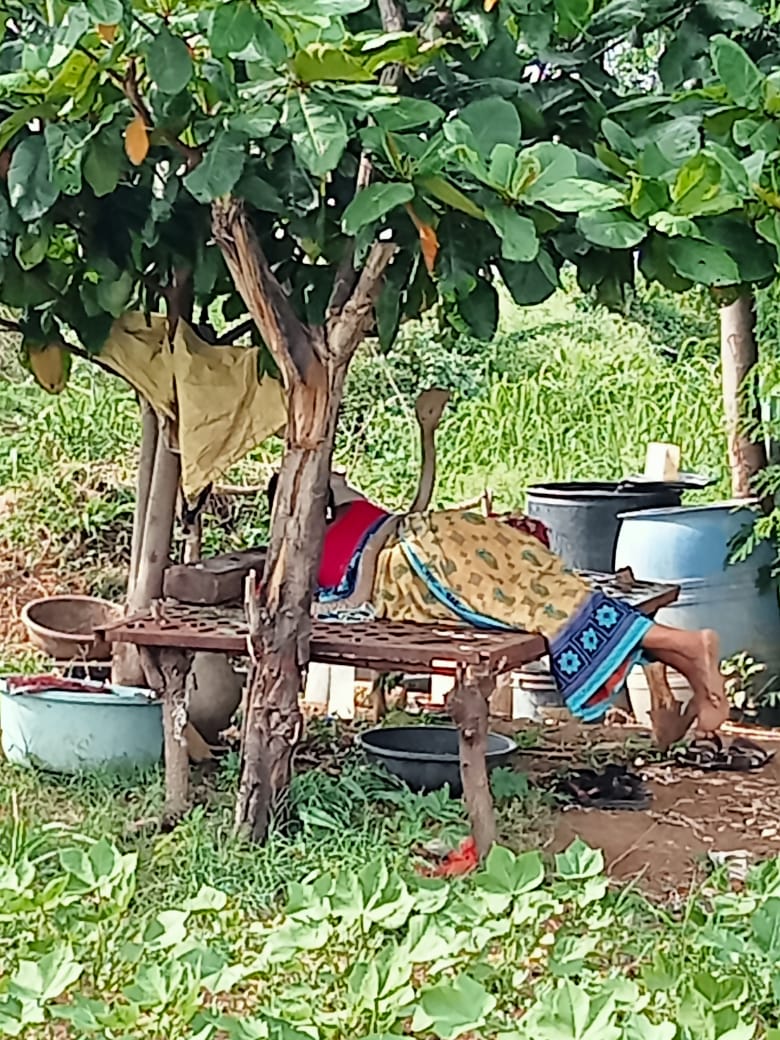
(693, 816)
(21, 582)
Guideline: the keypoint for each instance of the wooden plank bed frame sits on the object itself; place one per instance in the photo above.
(172, 632)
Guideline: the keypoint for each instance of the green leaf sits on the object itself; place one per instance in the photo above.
(114, 295)
(511, 874)
(503, 162)
(766, 927)
(65, 147)
(447, 193)
(737, 71)
(702, 262)
(734, 14)
(453, 1008)
(611, 230)
(573, 1015)
(696, 184)
(47, 977)
(30, 188)
(772, 94)
(318, 130)
(769, 228)
(18, 120)
(168, 62)
(105, 12)
(530, 283)
(325, 63)
(406, 113)
(372, 203)
(618, 138)
(6, 243)
(639, 1027)
(232, 29)
(219, 170)
(479, 309)
(573, 16)
(669, 145)
(574, 195)
(492, 121)
(104, 161)
(579, 861)
(672, 225)
(255, 123)
(519, 240)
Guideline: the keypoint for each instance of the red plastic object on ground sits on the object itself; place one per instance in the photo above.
(460, 861)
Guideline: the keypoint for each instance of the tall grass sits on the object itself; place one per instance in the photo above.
(565, 391)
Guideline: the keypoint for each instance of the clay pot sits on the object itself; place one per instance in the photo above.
(64, 626)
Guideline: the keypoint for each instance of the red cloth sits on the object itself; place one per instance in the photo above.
(524, 523)
(342, 539)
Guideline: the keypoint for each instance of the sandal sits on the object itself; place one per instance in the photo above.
(745, 755)
(709, 754)
(615, 788)
(705, 753)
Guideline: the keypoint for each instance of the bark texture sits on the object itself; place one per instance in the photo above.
(739, 355)
(313, 364)
(126, 666)
(469, 710)
(166, 673)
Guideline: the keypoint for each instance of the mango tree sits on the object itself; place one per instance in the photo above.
(332, 168)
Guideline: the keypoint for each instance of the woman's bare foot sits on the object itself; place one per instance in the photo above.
(696, 656)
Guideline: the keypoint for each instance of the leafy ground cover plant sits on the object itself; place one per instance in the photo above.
(520, 950)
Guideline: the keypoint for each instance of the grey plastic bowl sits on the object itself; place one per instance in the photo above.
(426, 757)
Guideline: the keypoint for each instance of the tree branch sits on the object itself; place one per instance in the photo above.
(393, 20)
(129, 84)
(346, 330)
(288, 339)
(228, 338)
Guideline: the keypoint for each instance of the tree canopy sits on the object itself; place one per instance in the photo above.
(508, 145)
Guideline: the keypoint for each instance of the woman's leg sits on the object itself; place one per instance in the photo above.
(695, 655)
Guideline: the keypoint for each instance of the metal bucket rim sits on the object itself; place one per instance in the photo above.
(607, 490)
(733, 505)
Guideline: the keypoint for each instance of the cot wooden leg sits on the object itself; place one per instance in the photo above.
(469, 711)
(166, 672)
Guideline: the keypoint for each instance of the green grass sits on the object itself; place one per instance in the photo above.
(193, 933)
(565, 392)
(328, 932)
(345, 819)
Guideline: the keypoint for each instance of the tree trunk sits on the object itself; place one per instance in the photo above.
(158, 529)
(280, 613)
(469, 711)
(313, 362)
(739, 355)
(126, 666)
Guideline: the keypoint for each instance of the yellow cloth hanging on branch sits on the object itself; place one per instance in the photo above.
(218, 407)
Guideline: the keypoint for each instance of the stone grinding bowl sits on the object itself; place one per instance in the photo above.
(64, 626)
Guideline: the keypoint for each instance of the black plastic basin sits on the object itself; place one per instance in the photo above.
(426, 757)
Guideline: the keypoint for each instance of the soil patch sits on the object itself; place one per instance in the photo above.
(666, 849)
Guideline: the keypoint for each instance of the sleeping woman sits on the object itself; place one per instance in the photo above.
(493, 573)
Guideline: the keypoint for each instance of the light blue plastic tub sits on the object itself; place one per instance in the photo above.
(68, 732)
(689, 546)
